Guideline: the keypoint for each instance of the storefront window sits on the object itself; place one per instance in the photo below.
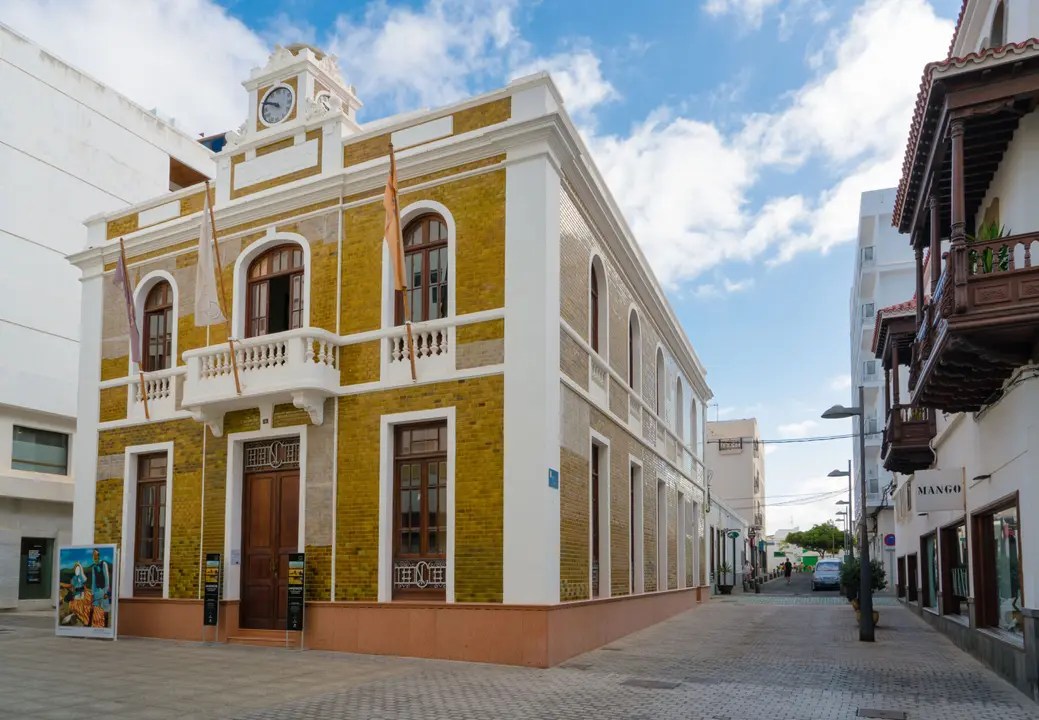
(954, 567)
(1006, 543)
(930, 579)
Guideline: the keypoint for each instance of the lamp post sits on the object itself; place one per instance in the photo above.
(850, 546)
(838, 412)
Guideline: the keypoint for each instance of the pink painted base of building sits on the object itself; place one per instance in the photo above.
(530, 635)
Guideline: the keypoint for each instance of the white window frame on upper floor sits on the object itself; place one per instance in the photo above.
(604, 305)
(140, 295)
(241, 280)
(407, 214)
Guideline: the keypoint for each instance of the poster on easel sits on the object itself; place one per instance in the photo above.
(87, 591)
(211, 597)
(297, 591)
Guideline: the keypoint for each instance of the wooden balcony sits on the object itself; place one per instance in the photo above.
(980, 326)
(907, 439)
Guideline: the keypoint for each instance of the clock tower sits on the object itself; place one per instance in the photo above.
(298, 92)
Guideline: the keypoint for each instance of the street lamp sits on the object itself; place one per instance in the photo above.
(849, 546)
(839, 412)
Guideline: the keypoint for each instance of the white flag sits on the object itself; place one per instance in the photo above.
(207, 299)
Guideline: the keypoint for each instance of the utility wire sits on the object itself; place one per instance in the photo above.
(785, 441)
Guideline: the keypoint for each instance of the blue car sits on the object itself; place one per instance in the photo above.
(827, 575)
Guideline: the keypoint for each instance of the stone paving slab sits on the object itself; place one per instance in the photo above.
(721, 661)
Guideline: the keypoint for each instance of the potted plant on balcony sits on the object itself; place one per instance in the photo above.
(987, 233)
(723, 587)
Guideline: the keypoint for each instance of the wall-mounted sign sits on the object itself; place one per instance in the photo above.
(938, 490)
(33, 566)
(297, 585)
(553, 479)
(211, 601)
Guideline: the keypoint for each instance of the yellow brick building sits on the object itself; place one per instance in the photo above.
(524, 475)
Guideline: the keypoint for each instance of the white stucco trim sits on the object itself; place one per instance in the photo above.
(635, 353)
(407, 214)
(604, 305)
(140, 295)
(84, 447)
(387, 423)
(605, 578)
(241, 267)
(129, 526)
(638, 580)
(234, 496)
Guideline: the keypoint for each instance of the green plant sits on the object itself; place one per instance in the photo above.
(850, 577)
(987, 233)
(723, 570)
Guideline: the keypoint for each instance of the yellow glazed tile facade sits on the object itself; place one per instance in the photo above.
(479, 489)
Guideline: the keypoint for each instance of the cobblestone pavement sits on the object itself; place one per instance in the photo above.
(722, 661)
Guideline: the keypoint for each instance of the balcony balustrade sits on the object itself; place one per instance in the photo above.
(297, 366)
(980, 325)
(907, 439)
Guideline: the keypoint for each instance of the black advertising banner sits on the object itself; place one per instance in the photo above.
(211, 599)
(297, 584)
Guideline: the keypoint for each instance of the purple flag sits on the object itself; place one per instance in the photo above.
(122, 281)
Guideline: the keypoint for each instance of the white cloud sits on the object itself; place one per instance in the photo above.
(797, 429)
(578, 77)
(186, 58)
(692, 191)
(685, 186)
(841, 382)
(426, 56)
(750, 11)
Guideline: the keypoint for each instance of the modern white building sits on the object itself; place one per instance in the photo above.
(882, 278)
(736, 457)
(70, 148)
(965, 437)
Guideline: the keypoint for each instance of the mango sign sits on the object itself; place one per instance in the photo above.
(938, 490)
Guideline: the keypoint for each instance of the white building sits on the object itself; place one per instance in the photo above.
(725, 550)
(71, 148)
(736, 457)
(967, 431)
(882, 277)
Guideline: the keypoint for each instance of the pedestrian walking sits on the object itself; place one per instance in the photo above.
(788, 568)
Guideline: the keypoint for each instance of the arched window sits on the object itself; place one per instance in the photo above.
(158, 327)
(594, 310)
(679, 410)
(634, 352)
(998, 35)
(274, 297)
(425, 270)
(598, 331)
(661, 387)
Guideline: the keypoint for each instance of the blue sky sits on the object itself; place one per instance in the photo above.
(736, 136)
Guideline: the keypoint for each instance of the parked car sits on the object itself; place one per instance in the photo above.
(827, 575)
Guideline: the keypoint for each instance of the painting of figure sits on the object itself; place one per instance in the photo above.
(87, 591)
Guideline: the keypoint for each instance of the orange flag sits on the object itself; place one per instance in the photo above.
(394, 241)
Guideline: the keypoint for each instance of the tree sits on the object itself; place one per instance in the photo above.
(823, 539)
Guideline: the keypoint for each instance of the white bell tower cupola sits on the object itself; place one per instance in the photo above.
(299, 86)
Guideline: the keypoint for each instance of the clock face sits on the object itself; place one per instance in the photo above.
(276, 104)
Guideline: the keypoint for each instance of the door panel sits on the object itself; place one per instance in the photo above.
(288, 541)
(270, 531)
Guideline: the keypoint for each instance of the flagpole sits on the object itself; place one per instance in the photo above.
(223, 295)
(140, 370)
(400, 241)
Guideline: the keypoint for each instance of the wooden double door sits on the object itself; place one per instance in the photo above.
(270, 532)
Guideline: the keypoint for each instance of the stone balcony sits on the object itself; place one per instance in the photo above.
(297, 366)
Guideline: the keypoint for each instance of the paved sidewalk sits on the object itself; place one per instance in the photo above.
(722, 661)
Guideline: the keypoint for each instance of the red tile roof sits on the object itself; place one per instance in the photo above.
(959, 24)
(923, 105)
(891, 311)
